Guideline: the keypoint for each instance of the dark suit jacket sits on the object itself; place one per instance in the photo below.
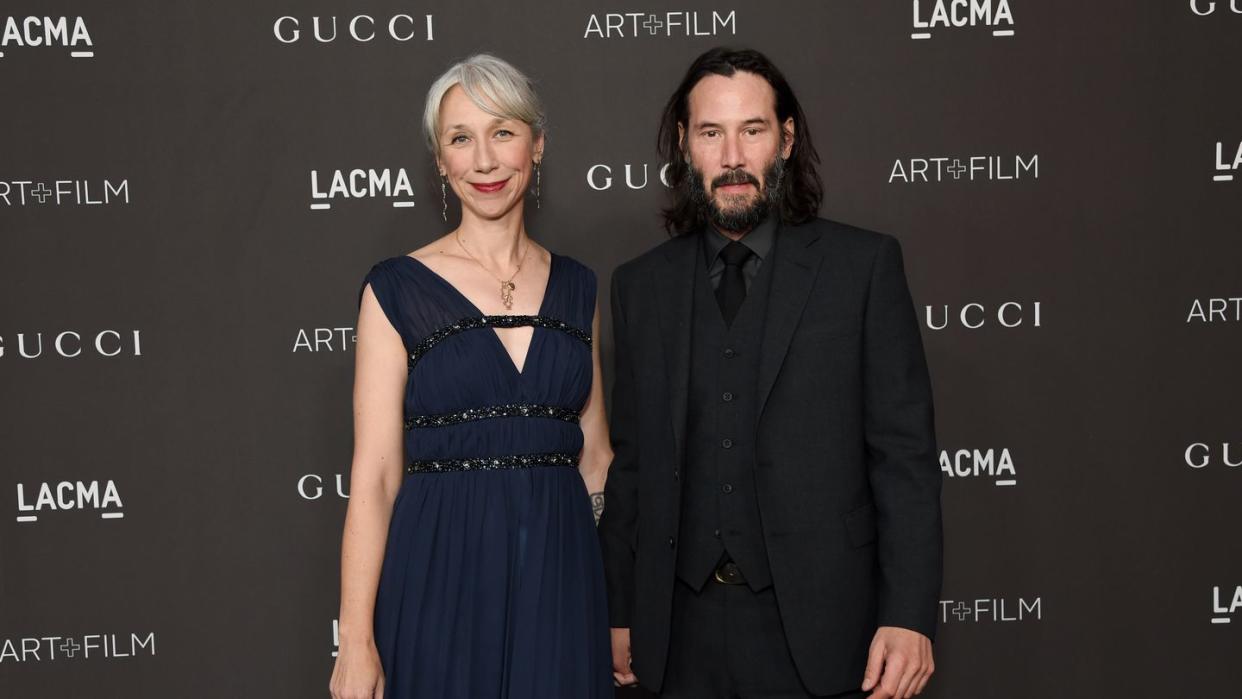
(848, 483)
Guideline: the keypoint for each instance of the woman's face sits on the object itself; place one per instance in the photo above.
(487, 160)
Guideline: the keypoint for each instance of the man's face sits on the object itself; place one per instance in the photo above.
(735, 148)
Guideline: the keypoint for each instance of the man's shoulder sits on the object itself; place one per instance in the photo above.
(841, 235)
(650, 260)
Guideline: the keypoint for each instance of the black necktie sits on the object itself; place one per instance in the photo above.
(732, 290)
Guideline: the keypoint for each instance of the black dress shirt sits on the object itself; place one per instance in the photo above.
(759, 240)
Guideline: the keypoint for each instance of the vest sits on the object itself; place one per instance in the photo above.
(720, 506)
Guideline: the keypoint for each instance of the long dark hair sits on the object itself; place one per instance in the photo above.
(803, 189)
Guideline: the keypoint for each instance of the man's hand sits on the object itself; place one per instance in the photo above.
(904, 657)
(621, 672)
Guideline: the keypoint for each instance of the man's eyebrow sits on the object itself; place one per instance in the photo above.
(749, 122)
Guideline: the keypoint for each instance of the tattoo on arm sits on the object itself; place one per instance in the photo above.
(597, 505)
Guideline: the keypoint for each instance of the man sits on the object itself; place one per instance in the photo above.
(772, 525)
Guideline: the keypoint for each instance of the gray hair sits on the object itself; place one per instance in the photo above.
(491, 83)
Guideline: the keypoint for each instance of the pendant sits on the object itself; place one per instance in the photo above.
(506, 293)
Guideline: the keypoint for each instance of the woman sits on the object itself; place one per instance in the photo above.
(471, 568)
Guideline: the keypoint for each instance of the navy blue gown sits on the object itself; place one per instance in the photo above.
(492, 582)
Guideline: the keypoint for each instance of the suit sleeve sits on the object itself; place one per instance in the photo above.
(618, 523)
(901, 449)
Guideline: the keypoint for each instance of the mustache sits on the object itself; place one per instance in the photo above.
(738, 176)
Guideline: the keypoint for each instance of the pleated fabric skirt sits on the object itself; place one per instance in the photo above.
(492, 586)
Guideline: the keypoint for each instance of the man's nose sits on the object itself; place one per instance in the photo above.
(731, 154)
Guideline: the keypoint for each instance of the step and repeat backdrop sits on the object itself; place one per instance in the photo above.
(191, 193)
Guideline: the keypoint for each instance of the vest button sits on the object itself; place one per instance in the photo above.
(672, 542)
(729, 353)
(716, 533)
(675, 474)
(726, 488)
(726, 443)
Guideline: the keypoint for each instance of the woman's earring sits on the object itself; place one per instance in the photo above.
(443, 198)
(536, 184)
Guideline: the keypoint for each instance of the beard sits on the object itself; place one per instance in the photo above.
(741, 212)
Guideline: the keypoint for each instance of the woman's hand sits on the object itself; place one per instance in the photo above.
(357, 673)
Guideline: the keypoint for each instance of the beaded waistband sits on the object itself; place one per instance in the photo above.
(493, 463)
(493, 411)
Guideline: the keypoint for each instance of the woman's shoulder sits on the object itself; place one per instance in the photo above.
(379, 277)
(394, 268)
(573, 268)
(386, 264)
(407, 260)
(393, 278)
(578, 288)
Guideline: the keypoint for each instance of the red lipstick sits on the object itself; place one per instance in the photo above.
(489, 187)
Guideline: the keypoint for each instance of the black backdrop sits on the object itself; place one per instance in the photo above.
(177, 303)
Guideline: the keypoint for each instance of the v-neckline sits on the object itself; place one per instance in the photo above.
(500, 345)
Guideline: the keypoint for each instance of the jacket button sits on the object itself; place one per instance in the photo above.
(726, 488)
(729, 353)
(716, 533)
(675, 474)
(726, 443)
(727, 396)
(672, 542)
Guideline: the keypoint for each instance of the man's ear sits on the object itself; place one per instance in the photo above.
(787, 138)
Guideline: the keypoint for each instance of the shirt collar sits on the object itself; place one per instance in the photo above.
(759, 240)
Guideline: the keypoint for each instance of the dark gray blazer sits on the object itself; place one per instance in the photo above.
(847, 477)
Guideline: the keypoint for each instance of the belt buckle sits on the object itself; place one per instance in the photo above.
(729, 574)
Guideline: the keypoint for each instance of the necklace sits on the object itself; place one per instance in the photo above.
(506, 285)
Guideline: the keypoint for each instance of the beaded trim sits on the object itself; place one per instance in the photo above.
(473, 323)
(508, 410)
(493, 463)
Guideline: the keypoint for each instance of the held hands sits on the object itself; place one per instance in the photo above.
(622, 675)
(904, 656)
(357, 673)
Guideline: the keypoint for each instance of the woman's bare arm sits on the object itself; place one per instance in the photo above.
(596, 449)
(376, 472)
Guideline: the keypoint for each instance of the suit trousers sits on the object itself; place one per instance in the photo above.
(727, 642)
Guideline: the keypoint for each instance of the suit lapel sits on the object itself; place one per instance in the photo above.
(676, 298)
(797, 261)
